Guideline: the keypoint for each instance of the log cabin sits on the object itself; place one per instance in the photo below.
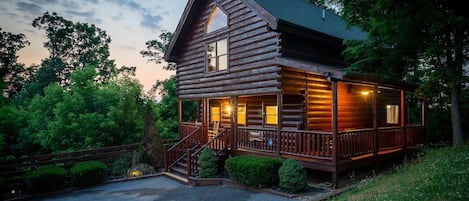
(269, 77)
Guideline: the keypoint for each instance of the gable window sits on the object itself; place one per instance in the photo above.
(392, 114)
(216, 20)
(242, 115)
(217, 56)
(271, 115)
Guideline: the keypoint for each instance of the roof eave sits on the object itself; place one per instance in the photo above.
(188, 11)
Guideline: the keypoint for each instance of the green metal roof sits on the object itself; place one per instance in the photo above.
(309, 16)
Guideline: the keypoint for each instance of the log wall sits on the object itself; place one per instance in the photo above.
(252, 47)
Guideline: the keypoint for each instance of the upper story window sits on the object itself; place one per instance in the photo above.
(217, 56)
(217, 20)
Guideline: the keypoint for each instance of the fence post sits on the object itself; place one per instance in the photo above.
(166, 159)
(189, 163)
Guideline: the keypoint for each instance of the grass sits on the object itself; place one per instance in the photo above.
(442, 174)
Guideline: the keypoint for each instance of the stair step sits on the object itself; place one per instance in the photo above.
(177, 177)
(179, 170)
(182, 164)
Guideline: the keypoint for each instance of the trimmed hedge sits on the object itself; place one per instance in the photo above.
(253, 170)
(88, 173)
(293, 176)
(208, 164)
(46, 179)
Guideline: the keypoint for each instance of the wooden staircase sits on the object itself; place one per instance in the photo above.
(182, 159)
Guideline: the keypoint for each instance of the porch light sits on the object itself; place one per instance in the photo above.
(228, 109)
(365, 93)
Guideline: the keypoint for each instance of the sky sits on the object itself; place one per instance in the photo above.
(129, 23)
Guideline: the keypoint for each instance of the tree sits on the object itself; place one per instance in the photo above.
(425, 39)
(76, 45)
(11, 72)
(156, 49)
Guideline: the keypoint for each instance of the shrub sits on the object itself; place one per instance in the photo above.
(46, 179)
(292, 176)
(120, 167)
(88, 173)
(208, 164)
(253, 170)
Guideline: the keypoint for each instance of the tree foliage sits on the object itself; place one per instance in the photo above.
(11, 71)
(77, 45)
(425, 41)
(157, 48)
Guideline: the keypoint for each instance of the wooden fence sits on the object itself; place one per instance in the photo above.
(13, 171)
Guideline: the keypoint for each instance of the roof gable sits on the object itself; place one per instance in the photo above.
(309, 16)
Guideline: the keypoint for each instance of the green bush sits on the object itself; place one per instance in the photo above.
(46, 179)
(292, 176)
(120, 167)
(88, 173)
(253, 170)
(208, 164)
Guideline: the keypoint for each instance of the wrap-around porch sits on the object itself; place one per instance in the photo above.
(344, 126)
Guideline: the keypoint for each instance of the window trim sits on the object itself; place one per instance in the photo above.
(220, 29)
(217, 71)
(245, 114)
(264, 114)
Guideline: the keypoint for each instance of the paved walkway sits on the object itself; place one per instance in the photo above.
(163, 188)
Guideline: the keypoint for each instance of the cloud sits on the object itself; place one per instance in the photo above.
(42, 2)
(88, 15)
(118, 17)
(151, 21)
(29, 8)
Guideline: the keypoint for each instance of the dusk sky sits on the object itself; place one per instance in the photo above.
(129, 23)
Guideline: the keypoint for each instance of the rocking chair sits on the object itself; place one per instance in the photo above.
(214, 132)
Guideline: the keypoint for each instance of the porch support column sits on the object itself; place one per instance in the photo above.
(335, 116)
(279, 122)
(375, 119)
(234, 122)
(205, 120)
(179, 116)
(403, 117)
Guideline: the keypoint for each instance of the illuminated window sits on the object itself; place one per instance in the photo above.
(215, 113)
(217, 56)
(216, 20)
(242, 114)
(271, 115)
(392, 114)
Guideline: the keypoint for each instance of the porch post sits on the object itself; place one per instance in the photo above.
(205, 120)
(234, 122)
(279, 122)
(403, 118)
(375, 119)
(335, 116)
(179, 117)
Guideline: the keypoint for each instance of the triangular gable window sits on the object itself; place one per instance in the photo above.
(217, 20)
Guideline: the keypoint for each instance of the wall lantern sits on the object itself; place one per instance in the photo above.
(228, 109)
(365, 93)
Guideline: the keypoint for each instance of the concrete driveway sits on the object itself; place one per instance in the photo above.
(163, 188)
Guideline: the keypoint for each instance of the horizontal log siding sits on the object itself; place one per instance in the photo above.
(355, 109)
(296, 45)
(318, 94)
(252, 49)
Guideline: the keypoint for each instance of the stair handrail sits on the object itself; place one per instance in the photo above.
(192, 159)
(170, 154)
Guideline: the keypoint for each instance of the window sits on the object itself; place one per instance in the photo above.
(392, 114)
(215, 113)
(216, 20)
(271, 115)
(242, 114)
(217, 56)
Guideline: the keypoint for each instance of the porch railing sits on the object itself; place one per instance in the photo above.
(218, 144)
(353, 143)
(186, 128)
(177, 151)
(312, 144)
